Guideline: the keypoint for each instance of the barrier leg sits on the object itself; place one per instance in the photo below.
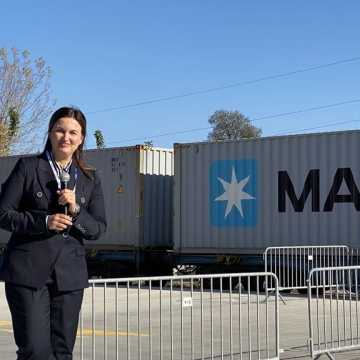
(331, 357)
(282, 299)
(268, 293)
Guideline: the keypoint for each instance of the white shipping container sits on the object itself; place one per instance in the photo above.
(243, 196)
(137, 185)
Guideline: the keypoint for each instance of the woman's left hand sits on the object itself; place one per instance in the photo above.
(67, 197)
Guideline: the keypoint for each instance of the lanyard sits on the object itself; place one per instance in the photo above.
(56, 169)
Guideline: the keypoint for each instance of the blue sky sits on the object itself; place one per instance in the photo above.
(116, 53)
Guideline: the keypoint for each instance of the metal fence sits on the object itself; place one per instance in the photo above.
(334, 310)
(354, 257)
(187, 317)
(292, 264)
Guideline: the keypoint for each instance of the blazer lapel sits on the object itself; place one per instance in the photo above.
(80, 193)
(46, 176)
(48, 182)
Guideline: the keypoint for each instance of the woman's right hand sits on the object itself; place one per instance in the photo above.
(58, 222)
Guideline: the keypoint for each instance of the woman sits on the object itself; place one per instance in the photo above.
(44, 266)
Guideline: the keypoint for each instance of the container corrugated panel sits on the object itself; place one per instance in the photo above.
(137, 183)
(241, 196)
(118, 169)
(157, 169)
(131, 177)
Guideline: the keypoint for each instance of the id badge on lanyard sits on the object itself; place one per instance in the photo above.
(56, 170)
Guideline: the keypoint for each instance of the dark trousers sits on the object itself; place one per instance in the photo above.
(44, 321)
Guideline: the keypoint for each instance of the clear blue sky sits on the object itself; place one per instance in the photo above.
(116, 53)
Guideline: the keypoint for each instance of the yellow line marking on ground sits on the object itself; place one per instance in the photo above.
(5, 323)
(89, 332)
(6, 326)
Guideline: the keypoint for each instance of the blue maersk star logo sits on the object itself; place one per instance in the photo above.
(234, 193)
(233, 200)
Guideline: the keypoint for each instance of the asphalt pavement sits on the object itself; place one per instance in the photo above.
(126, 334)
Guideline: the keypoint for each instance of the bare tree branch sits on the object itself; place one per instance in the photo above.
(24, 93)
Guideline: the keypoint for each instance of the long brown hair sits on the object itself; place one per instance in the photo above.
(78, 115)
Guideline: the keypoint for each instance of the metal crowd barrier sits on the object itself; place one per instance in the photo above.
(179, 317)
(354, 257)
(292, 264)
(334, 310)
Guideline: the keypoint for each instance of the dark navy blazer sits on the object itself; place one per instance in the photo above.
(33, 252)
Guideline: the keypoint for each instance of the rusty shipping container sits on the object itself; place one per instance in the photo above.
(243, 196)
(137, 185)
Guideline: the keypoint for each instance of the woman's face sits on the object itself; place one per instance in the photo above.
(65, 137)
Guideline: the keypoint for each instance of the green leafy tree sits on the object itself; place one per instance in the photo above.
(8, 131)
(231, 125)
(25, 103)
(14, 123)
(148, 144)
(99, 138)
